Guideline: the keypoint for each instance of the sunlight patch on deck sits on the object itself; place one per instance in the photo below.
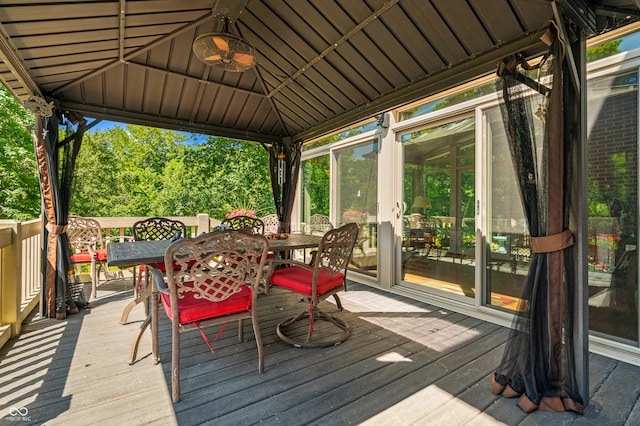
(411, 410)
(429, 326)
(391, 357)
(438, 334)
(367, 301)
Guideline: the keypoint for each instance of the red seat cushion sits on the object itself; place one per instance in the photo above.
(101, 255)
(298, 279)
(85, 257)
(82, 257)
(193, 310)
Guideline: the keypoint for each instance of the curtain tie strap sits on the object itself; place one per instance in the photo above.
(552, 243)
(56, 229)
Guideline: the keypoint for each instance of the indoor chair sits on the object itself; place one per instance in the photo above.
(325, 277)
(211, 280)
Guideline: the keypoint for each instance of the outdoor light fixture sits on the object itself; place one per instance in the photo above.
(224, 50)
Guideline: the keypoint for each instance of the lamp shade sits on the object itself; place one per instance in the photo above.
(421, 202)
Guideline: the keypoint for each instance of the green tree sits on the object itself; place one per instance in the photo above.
(20, 190)
(120, 171)
(237, 175)
(142, 171)
(603, 50)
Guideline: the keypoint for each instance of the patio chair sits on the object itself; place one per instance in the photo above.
(271, 224)
(158, 228)
(211, 280)
(154, 229)
(245, 223)
(315, 282)
(87, 247)
(319, 224)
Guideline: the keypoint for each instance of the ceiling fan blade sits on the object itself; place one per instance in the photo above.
(213, 58)
(221, 43)
(243, 58)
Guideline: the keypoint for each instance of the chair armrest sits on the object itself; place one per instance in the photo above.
(158, 278)
(89, 246)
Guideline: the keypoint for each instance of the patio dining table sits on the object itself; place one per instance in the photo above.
(134, 253)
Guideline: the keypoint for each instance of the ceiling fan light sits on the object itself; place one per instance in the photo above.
(224, 51)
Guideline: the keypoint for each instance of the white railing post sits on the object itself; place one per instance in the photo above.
(203, 224)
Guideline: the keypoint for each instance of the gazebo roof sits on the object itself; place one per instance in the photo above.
(322, 65)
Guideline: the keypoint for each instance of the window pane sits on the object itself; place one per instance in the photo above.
(454, 99)
(507, 242)
(357, 201)
(613, 206)
(315, 189)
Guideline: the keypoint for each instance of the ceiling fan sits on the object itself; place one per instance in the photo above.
(224, 50)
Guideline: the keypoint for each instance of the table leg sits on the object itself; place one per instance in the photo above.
(152, 318)
(136, 340)
(141, 298)
(155, 304)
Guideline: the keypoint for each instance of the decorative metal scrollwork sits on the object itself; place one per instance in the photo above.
(39, 106)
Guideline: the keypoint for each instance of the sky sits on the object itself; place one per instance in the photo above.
(105, 125)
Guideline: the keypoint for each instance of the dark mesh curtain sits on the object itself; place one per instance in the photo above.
(284, 164)
(538, 364)
(56, 162)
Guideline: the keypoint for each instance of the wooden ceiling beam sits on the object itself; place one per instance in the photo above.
(17, 67)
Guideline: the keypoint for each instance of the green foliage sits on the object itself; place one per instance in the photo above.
(603, 50)
(20, 190)
(142, 171)
(316, 185)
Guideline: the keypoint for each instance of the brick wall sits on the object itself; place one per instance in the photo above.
(613, 159)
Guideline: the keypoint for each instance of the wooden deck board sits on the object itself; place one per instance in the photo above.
(407, 362)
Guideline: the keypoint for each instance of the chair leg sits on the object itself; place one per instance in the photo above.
(311, 315)
(338, 302)
(94, 280)
(175, 360)
(258, 335)
(155, 303)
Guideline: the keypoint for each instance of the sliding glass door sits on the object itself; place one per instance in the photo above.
(438, 221)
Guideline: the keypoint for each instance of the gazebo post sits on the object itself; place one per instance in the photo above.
(284, 165)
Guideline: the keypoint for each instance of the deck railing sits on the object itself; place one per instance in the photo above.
(20, 278)
(21, 263)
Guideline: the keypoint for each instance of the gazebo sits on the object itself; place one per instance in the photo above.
(281, 73)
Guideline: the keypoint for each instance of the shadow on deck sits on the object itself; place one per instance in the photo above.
(407, 362)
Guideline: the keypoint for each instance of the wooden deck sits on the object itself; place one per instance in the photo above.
(407, 362)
